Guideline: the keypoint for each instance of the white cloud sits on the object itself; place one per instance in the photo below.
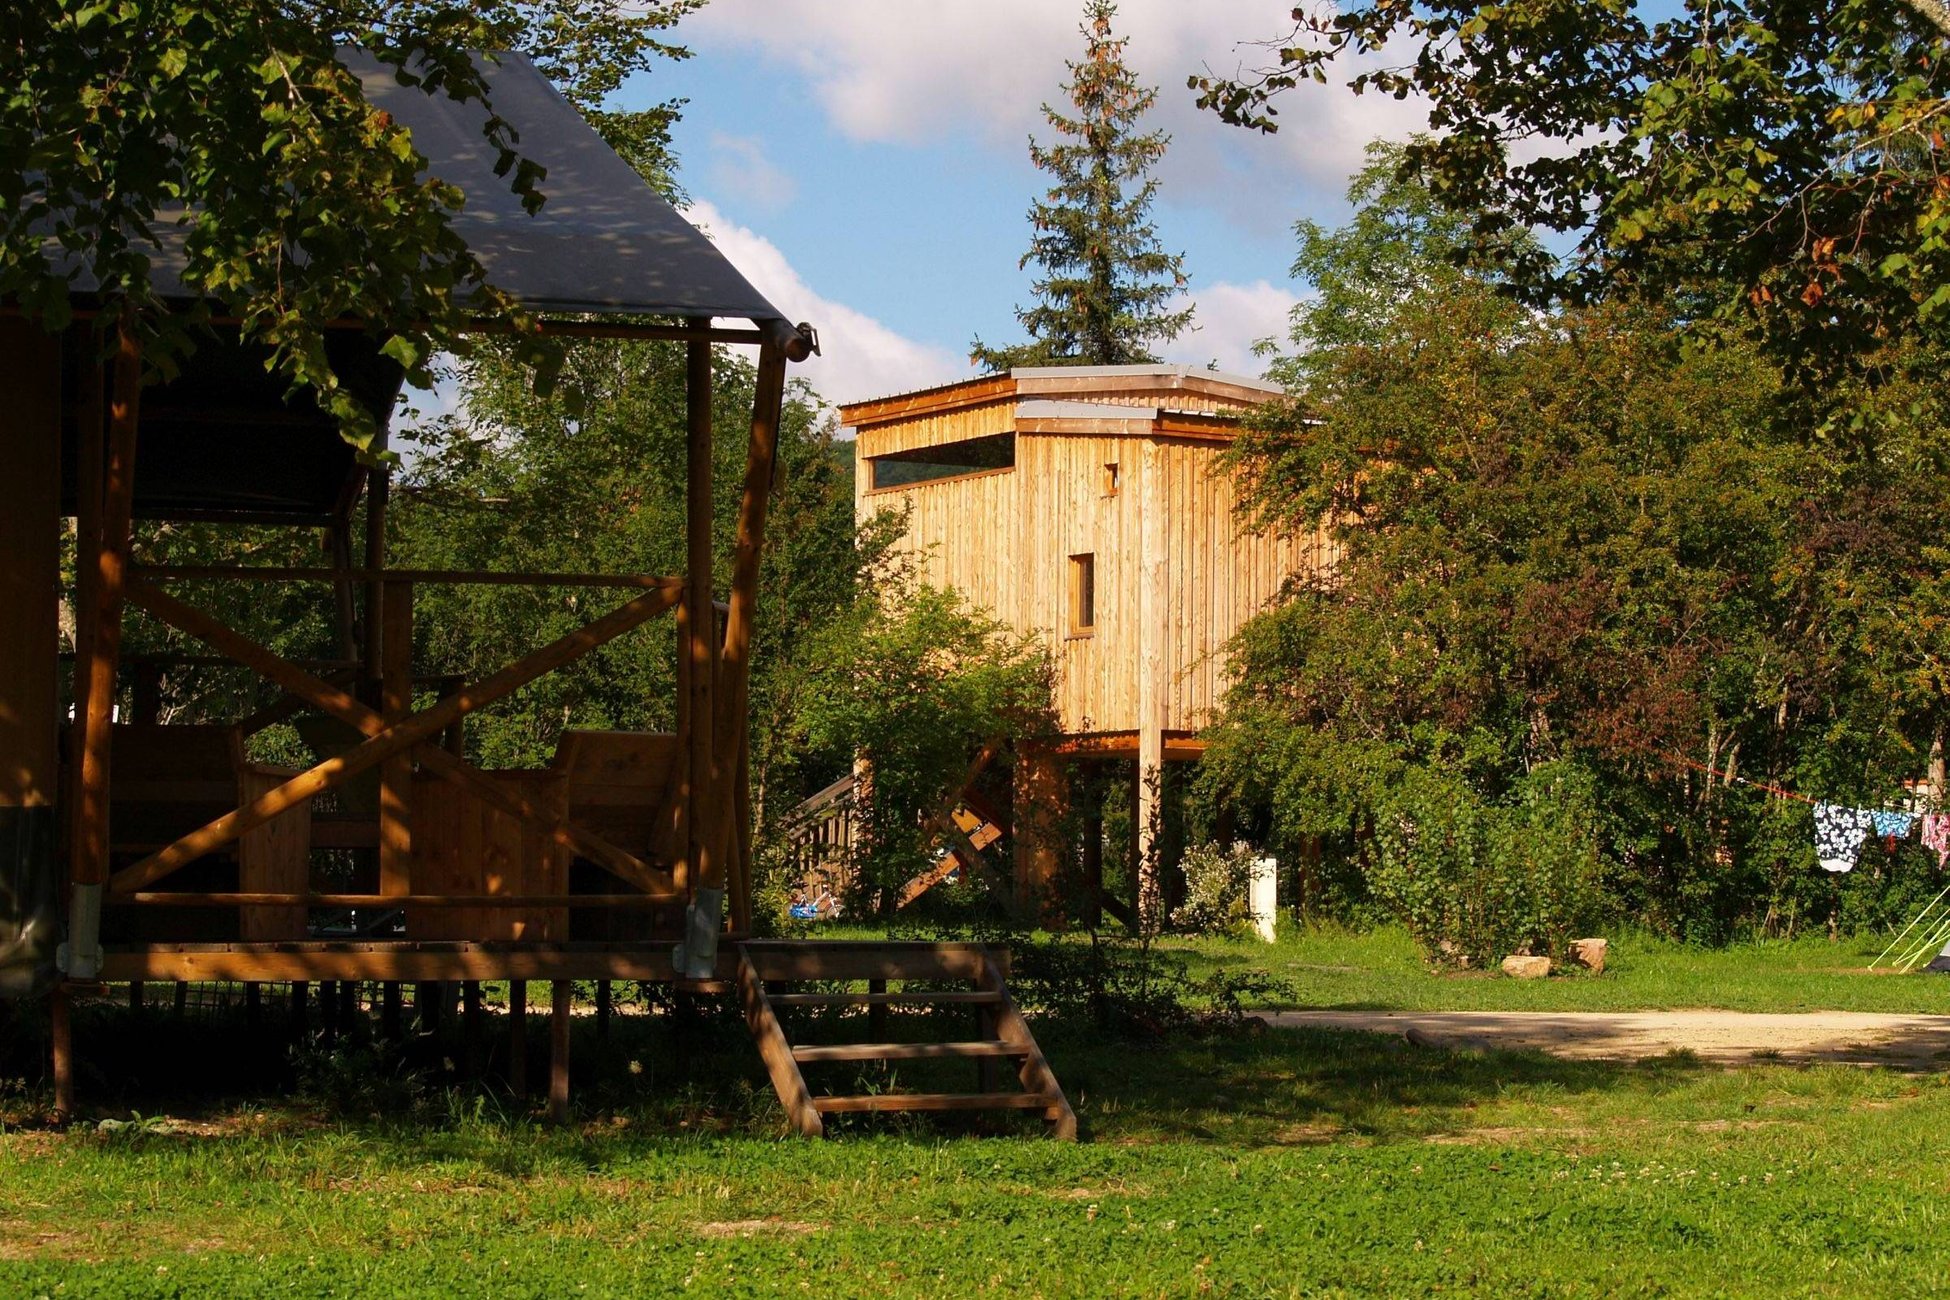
(739, 168)
(861, 358)
(1231, 319)
(897, 71)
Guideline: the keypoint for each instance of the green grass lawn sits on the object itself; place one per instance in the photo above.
(1382, 970)
(1245, 1163)
(1272, 1164)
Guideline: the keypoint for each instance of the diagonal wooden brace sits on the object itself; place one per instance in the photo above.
(330, 699)
(395, 739)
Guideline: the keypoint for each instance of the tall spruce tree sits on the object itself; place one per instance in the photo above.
(1107, 283)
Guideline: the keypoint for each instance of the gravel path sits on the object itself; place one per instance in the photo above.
(1857, 1037)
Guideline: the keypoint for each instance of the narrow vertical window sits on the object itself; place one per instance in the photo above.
(1110, 478)
(1083, 594)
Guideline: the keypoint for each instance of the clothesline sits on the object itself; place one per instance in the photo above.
(1742, 780)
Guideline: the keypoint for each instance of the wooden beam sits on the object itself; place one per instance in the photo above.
(423, 726)
(733, 699)
(30, 577)
(518, 1037)
(90, 852)
(246, 898)
(396, 705)
(700, 621)
(395, 962)
(327, 698)
(558, 1057)
(787, 1080)
(424, 577)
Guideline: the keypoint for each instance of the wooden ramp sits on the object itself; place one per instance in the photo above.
(976, 971)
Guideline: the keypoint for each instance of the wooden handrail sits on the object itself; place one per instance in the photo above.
(234, 898)
(436, 577)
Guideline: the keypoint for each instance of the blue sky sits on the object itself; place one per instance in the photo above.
(865, 162)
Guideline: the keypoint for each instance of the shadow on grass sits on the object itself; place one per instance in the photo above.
(693, 1071)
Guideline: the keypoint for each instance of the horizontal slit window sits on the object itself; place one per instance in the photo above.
(949, 460)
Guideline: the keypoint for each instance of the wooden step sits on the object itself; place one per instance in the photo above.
(814, 1054)
(895, 1101)
(979, 997)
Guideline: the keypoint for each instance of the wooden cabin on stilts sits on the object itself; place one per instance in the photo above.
(136, 852)
(1087, 507)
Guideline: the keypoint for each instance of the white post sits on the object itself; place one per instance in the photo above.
(1263, 896)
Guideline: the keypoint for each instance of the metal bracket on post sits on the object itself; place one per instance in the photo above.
(696, 957)
(80, 958)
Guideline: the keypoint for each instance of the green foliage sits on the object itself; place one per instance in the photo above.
(913, 681)
(230, 130)
(1582, 538)
(1107, 284)
(1476, 881)
(1218, 885)
(1775, 163)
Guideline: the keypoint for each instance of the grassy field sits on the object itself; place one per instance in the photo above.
(1382, 970)
(1272, 1164)
(1256, 1162)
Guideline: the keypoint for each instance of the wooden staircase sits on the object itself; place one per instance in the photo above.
(1004, 1033)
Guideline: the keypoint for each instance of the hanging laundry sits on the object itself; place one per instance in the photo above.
(1839, 833)
(1936, 835)
(1893, 825)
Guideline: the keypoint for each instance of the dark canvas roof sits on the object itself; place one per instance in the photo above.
(604, 242)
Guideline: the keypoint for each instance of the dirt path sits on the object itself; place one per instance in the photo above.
(1914, 1042)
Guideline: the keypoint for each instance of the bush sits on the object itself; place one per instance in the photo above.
(1479, 881)
(1218, 889)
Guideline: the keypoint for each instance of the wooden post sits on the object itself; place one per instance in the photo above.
(135, 996)
(1042, 797)
(603, 1008)
(470, 1024)
(61, 1039)
(734, 676)
(300, 1008)
(390, 1016)
(30, 593)
(518, 1037)
(253, 1004)
(328, 1010)
(396, 773)
(1093, 856)
(89, 853)
(1153, 613)
(699, 620)
(558, 1057)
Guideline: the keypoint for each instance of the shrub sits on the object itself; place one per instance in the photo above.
(1479, 881)
(1218, 887)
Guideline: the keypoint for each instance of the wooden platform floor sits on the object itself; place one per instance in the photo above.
(404, 960)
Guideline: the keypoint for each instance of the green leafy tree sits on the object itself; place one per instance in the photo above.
(914, 682)
(1107, 285)
(1774, 163)
(232, 127)
(1578, 538)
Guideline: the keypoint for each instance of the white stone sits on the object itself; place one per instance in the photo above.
(1526, 968)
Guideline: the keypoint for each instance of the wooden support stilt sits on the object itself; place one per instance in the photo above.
(253, 1005)
(700, 624)
(328, 1010)
(558, 1056)
(300, 1008)
(135, 996)
(1093, 858)
(603, 1008)
(470, 1025)
(391, 1019)
(518, 1037)
(61, 1040)
(348, 1005)
(181, 1005)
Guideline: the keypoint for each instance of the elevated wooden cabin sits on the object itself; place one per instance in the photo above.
(1085, 505)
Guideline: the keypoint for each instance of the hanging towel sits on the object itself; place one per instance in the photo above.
(1936, 835)
(1839, 833)
(1893, 825)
